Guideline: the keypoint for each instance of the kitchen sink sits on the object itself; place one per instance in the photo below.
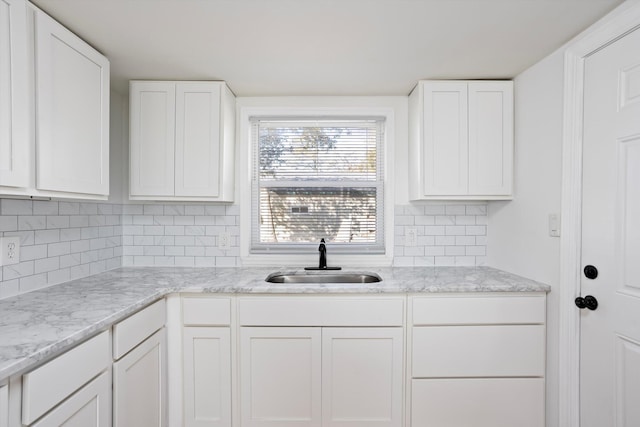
(319, 277)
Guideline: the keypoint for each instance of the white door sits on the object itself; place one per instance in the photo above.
(207, 377)
(198, 149)
(362, 377)
(610, 334)
(280, 377)
(14, 124)
(88, 407)
(139, 388)
(72, 103)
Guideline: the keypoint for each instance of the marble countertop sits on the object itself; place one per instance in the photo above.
(38, 325)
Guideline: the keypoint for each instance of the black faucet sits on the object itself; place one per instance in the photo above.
(322, 265)
(323, 255)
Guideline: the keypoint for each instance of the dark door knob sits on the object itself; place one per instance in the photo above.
(589, 302)
(591, 272)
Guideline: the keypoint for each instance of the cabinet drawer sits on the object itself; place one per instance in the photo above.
(45, 387)
(134, 329)
(321, 311)
(478, 351)
(461, 310)
(203, 311)
(478, 402)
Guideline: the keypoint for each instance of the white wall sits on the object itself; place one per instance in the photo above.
(118, 147)
(519, 241)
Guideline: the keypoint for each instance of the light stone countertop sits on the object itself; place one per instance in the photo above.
(39, 325)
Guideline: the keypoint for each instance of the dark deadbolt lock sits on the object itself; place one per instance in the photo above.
(589, 302)
(591, 272)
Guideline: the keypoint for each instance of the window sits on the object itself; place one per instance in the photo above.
(317, 178)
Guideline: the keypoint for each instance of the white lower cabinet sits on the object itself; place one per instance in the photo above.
(88, 407)
(74, 389)
(139, 369)
(4, 405)
(362, 377)
(477, 360)
(280, 377)
(314, 362)
(139, 385)
(207, 376)
(478, 402)
(207, 361)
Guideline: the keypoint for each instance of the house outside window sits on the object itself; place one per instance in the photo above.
(317, 177)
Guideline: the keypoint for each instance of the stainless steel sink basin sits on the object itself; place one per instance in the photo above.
(323, 278)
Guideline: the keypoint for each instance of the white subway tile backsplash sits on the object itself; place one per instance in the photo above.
(69, 208)
(88, 208)
(434, 209)
(16, 207)
(448, 234)
(63, 241)
(54, 221)
(194, 210)
(8, 223)
(60, 241)
(174, 210)
(57, 249)
(32, 222)
(153, 209)
(45, 208)
(16, 271)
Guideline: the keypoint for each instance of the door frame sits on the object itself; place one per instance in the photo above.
(622, 20)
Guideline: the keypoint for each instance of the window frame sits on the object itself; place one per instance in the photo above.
(377, 123)
(347, 107)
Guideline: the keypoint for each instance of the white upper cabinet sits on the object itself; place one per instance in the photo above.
(153, 123)
(461, 140)
(72, 111)
(182, 141)
(14, 109)
(54, 108)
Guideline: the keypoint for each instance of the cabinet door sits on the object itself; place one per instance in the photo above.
(72, 112)
(280, 377)
(207, 377)
(362, 377)
(88, 407)
(198, 145)
(478, 402)
(139, 385)
(4, 406)
(14, 125)
(490, 138)
(445, 140)
(152, 134)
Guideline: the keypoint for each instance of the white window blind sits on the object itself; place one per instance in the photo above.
(317, 178)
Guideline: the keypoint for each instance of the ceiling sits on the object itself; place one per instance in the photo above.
(323, 47)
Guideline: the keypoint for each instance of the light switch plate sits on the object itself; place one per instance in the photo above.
(554, 225)
(9, 250)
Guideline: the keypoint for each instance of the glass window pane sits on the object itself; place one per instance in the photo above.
(305, 215)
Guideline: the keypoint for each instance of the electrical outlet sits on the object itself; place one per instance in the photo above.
(224, 241)
(9, 250)
(411, 237)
